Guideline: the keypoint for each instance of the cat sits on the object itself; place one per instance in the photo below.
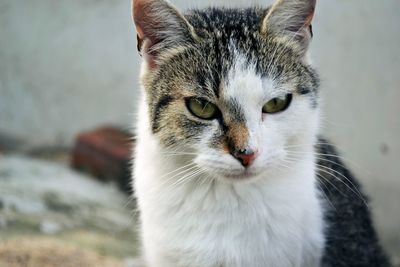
(229, 167)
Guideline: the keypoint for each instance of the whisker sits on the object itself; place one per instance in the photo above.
(309, 144)
(180, 173)
(324, 194)
(180, 154)
(349, 187)
(180, 168)
(186, 178)
(326, 155)
(206, 179)
(322, 180)
(346, 178)
(332, 184)
(328, 170)
(325, 160)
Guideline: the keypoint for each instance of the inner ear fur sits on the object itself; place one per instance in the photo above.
(159, 25)
(291, 18)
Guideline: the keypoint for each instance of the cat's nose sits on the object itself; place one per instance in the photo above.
(245, 156)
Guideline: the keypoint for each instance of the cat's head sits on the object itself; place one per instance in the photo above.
(231, 87)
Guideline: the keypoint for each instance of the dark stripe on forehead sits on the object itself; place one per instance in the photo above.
(232, 114)
(161, 104)
(209, 83)
(235, 111)
(217, 68)
(216, 82)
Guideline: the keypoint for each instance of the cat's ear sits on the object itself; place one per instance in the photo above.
(159, 26)
(291, 18)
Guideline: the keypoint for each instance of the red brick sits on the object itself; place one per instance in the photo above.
(105, 153)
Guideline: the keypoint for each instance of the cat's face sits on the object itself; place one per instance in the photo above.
(227, 90)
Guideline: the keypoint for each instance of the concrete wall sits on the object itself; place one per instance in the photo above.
(65, 66)
(70, 65)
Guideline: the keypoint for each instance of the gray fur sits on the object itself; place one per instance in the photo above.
(350, 236)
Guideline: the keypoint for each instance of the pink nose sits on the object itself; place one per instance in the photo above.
(245, 156)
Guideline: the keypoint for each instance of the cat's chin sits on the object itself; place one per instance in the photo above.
(243, 175)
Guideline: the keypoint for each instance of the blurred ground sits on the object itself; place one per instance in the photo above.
(48, 253)
(47, 209)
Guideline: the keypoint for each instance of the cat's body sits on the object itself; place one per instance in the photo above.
(239, 181)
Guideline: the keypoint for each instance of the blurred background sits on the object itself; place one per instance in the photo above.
(69, 71)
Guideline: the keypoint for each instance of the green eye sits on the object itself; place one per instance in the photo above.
(277, 104)
(202, 108)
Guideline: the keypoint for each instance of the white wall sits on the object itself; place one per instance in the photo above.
(70, 65)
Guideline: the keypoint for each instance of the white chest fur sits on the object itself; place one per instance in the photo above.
(273, 221)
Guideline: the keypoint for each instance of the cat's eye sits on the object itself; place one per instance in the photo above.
(202, 108)
(277, 104)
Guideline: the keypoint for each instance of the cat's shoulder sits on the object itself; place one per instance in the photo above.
(350, 236)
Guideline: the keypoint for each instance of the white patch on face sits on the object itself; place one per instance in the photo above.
(272, 135)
